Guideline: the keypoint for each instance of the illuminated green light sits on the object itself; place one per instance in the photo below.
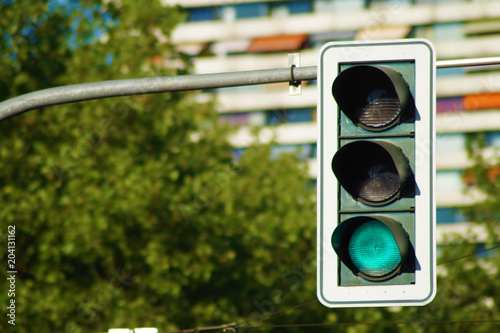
(373, 249)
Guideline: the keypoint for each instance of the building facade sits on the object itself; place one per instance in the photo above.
(239, 35)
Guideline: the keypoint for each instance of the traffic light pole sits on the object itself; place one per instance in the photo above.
(104, 89)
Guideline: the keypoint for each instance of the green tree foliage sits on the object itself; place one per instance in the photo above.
(467, 270)
(483, 176)
(131, 212)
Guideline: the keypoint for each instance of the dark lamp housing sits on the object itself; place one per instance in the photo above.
(373, 172)
(373, 97)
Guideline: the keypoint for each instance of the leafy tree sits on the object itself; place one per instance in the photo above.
(131, 211)
(483, 177)
(467, 283)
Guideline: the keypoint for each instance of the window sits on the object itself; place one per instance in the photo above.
(272, 117)
(450, 180)
(481, 247)
(318, 40)
(251, 10)
(450, 71)
(382, 3)
(449, 215)
(234, 119)
(299, 7)
(449, 104)
(202, 14)
(338, 5)
(237, 152)
(283, 8)
(275, 117)
(448, 31)
(303, 151)
(450, 142)
(492, 139)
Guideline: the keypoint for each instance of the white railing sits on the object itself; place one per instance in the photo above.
(313, 23)
(463, 48)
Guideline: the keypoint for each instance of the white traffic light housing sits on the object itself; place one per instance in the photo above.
(376, 209)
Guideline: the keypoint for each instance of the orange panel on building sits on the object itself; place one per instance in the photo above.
(482, 101)
(277, 43)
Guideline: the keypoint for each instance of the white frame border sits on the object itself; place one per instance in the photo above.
(423, 291)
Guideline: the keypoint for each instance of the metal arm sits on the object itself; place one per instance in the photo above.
(88, 91)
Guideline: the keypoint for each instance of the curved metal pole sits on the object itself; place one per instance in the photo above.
(88, 91)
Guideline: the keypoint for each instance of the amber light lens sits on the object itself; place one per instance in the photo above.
(373, 172)
(380, 183)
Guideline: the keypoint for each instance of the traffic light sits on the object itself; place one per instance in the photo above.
(376, 206)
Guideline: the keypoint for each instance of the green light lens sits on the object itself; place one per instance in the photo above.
(373, 249)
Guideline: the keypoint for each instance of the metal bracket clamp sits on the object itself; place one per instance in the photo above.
(295, 86)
